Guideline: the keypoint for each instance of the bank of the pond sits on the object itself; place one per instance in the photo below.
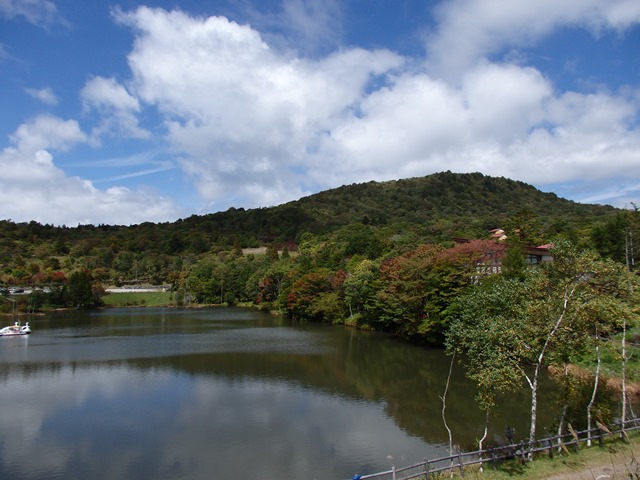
(616, 460)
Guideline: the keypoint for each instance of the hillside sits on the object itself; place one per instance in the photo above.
(472, 197)
(442, 205)
(439, 206)
(374, 220)
(474, 201)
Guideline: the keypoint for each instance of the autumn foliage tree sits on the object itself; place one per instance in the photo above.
(315, 296)
(418, 289)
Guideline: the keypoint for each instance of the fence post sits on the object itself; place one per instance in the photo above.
(393, 472)
(575, 437)
(523, 460)
(600, 441)
(426, 469)
(550, 442)
(460, 463)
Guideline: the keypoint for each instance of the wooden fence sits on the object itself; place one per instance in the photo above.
(492, 456)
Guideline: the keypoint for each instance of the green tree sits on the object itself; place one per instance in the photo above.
(272, 252)
(619, 237)
(360, 287)
(510, 329)
(514, 263)
(81, 292)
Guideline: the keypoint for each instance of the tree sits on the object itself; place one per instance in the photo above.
(305, 298)
(360, 287)
(513, 263)
(615, 237)
(401, 300)
(511, 329)
(81, 292)
(272, 252)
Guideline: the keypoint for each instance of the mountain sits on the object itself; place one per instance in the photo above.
(445, 204)
(377, 218)
(437, 207)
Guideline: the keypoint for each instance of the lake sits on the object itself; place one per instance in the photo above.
(226, 393)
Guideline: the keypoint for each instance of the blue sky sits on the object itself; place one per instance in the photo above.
(122, 113)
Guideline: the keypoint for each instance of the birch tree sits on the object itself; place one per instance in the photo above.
(510, 330)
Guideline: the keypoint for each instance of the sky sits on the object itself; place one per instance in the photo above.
(129, 112)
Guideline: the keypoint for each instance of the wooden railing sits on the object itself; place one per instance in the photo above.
(492, 456)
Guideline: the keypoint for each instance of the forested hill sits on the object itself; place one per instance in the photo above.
(475, 199)
(436, 207)
(440, 206)
(329, 230)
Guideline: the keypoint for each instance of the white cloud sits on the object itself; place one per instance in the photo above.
(33, 188)
(310, 26)
(46, 131)
(107, 93)
(259, 126)
(243, 114)
(45, 95)
(468, 30)
(503, 120)
(38, 12)
(116, 106)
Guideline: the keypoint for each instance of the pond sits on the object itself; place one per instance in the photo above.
(226, 393)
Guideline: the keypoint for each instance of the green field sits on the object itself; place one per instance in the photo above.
(132, 299)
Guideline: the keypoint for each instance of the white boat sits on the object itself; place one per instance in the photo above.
(16, 329)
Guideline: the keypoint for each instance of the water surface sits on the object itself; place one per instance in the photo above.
(225, 394)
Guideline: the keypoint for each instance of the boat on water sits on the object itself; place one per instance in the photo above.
(15, 329)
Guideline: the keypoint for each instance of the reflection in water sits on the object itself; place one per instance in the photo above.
(225, 393)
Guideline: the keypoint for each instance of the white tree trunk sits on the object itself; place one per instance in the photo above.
(533, 383)
(534, 409)
(624, 379)
(565, 407)
(444, 406)
(484, 436)
(595, 391)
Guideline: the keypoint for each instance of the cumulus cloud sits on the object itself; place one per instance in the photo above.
(469, 30)
(46, 131)
(116, 106)
(503, 120)
(243, 114)
(45, 95)
(32, 187)
(252, 122)
(257, 125)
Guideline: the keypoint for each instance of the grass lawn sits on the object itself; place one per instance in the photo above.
(131, 299)
(616, 460)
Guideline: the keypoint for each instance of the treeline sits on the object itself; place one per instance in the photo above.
(358, 278)
(378, 255)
